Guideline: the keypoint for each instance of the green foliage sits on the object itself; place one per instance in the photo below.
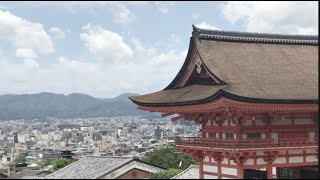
(43, 163)
(166, 174)
(60, 163)
(20, 159)
(169, 157)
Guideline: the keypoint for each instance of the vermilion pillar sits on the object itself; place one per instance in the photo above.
(269, 172)
(201, 169)
(240, 172)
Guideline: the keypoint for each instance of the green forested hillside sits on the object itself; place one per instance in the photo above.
(30, 106)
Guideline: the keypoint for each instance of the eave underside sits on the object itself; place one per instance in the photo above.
(224, 103)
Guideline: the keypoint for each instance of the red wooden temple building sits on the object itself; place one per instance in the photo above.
(256, 98)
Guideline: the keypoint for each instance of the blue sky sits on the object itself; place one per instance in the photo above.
(108, 48)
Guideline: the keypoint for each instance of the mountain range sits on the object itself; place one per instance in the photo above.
(42, 105)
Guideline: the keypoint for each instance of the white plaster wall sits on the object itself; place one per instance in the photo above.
(295, 159)
(312, 135)
(223, 135)
(209, 122)
(206, 159)
(263, 135)
(230, 171)
(259, 122)
(274, 171)
(280, 160)
(207, 135)
(226, 178)
(259, 153)
(274, 135)
(232, 124)
(261, 161)
(281, 122)
(303, 121)
(295, 152)
(311, 151)
(225, 123)
(208, 168)
(311, 159)
(244, 136)
(248, 123)
(224, 161)
(232, 163)
(206, 176)
(249, 162)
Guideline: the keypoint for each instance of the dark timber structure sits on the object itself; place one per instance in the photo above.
(256, 97)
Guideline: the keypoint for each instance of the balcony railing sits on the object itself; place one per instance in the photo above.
(240, 144)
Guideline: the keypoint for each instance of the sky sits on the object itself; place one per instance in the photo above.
(104, 49)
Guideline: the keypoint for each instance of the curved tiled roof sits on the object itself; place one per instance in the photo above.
(250, 37)
(188, 95)
(192, 172)
(89, 167)
(253, 70)
(96, 167)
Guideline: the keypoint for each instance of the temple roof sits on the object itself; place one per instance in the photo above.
(254, 67)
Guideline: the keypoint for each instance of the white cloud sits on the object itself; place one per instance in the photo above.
(24, 34)
(28, 56)
(105, 45)
(122, 15)
(204, 25)
(57, 33)
(163, 6)
(274, 17)
(26, 53)
(4, 7)
(163, 10)
(151, 70)
(195, 16)
(154, 72)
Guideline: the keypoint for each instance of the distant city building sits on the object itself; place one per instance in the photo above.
(157, 132)
(15, 138)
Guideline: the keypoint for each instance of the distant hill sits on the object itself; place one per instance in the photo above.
(31, 106)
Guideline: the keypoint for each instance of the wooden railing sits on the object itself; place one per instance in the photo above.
(254, 143)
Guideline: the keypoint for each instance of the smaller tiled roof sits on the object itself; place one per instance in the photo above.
(191, 172)
(27, 174)
(94, 167)
(89, 167)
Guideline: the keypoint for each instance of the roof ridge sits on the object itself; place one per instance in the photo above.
(124, 157)
(237, 36)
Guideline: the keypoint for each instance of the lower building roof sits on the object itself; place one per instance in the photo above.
(91, 167)
(191, 172)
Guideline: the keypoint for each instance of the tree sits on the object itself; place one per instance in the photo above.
(20, 159)
(169, 157)
(60, 163)
(43, 162)
(166, 174)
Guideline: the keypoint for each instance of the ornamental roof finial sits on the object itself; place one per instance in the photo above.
(195, 30)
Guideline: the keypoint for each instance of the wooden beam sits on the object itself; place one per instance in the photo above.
(176, 118)
(167, 114)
